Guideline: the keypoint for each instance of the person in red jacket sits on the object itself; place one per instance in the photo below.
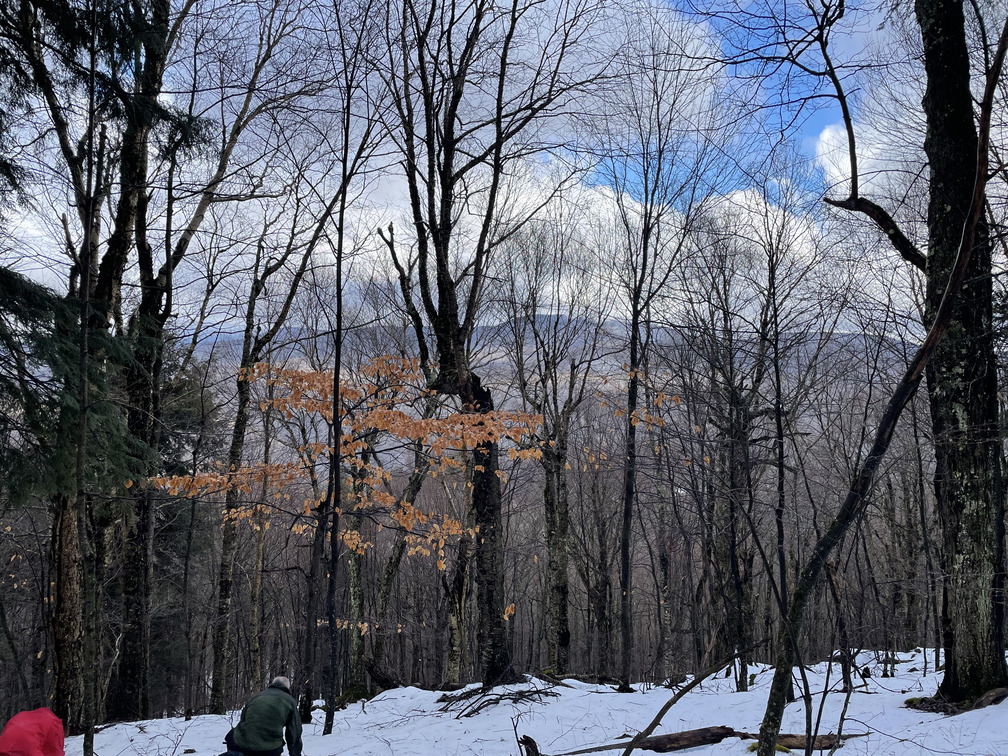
(32, 733)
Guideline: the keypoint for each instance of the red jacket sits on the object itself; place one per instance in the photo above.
(32, 733)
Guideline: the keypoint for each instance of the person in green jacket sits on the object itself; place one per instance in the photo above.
(266, 718)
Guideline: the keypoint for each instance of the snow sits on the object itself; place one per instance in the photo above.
(411, 722)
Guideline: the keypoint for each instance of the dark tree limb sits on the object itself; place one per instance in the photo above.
(907, 249)
(825, 21)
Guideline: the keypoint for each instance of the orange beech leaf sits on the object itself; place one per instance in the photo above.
(381, 404)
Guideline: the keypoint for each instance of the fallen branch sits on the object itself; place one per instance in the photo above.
(552, 679)
(643, 734)
(477, 699)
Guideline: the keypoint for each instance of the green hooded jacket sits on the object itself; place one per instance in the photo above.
(265, 718)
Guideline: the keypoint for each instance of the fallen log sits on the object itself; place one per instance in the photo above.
(797, 742)
(679, 741)
(675, 741)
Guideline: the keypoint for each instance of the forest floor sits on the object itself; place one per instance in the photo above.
(412, 722)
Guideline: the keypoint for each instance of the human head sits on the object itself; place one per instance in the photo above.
(282, 682)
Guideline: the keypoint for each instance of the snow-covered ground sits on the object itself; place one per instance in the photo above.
(410, 722)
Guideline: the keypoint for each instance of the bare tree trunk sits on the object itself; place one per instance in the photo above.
(355, 561)
(555, 501)
(331, 683)
(260, 522)
(491, 635)
(68, 621)
(255, 603)
(629, 497)
(187, 614)
(600, 594)
(315, 567)
(221, 634)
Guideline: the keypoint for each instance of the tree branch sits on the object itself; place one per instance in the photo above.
(907, 249)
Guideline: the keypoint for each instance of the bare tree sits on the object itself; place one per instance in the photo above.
(959, 252)
(656, 145)
(475, 88)
(556, 305)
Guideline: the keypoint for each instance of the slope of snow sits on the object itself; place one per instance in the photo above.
(410, 722)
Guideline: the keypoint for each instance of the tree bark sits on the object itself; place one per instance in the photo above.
(68, 621)
(962, 375)
(556, 504)
(491, 635)
(255, 603)
(221, 635)
(457, 591)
